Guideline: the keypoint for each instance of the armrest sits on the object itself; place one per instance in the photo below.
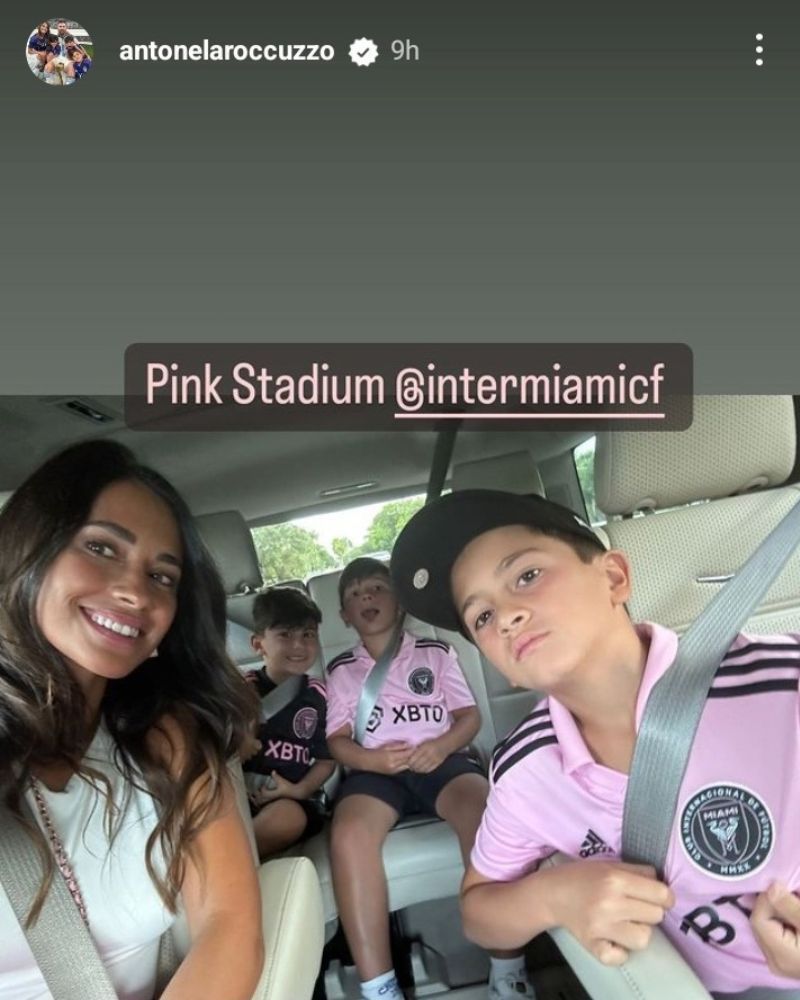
(291, 904)
(657, 973)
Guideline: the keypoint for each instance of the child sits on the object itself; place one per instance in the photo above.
(533, 587)
(81, 63)
(291, 748)
(411, 760)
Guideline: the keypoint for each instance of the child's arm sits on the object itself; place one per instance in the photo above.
(391, 758)
(610, 907)
(429, 755)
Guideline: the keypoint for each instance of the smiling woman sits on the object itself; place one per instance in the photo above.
(115, 688)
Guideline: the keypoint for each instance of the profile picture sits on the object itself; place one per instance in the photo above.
(59, 51)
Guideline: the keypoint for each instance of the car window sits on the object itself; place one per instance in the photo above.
(584, 465)
(305, 546)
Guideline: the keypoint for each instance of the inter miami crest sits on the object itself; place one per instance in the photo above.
(727, 831)
(420, 681)
(305, 723)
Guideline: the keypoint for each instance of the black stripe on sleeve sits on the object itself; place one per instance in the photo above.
(761, 687)
(517, 736)
(761, 647)
(529, 748)
(437, 643)
(733, 669)
(337, 661)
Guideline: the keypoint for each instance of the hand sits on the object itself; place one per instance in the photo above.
(281, 789)
(391, 758)
(610, 906)
(776, 926)
(426, 757)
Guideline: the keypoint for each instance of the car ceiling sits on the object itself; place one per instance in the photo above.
(264, 474)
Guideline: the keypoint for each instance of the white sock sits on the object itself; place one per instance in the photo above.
(382, 987)
(509, 966)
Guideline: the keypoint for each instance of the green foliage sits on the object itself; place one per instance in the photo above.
(342, 549)
(289, 552)
(389, 522)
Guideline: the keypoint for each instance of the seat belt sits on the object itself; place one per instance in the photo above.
(374, 682)
(673, 710)
(60, 941)
(675, 705)
(279, 697)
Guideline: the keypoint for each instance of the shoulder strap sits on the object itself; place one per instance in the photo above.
(374, 683)
(673, 710)
(60, 941)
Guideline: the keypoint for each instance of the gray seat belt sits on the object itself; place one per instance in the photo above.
(374, 683)
(272, 703)
(60, 941)
(280, 697)
(676, 702)
(675, 705)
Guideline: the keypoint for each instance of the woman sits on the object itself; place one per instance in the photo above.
(118, 712)
(38, 47)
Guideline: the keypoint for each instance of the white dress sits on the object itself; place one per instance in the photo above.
(126, 914)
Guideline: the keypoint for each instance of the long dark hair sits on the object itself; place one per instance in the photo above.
(192, 682)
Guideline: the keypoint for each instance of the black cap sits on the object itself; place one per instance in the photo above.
(424, 553)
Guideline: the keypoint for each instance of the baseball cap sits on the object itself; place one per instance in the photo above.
(425, 550)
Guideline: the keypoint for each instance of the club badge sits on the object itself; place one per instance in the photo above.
(305, 723)
(420, 681)
(727, 831)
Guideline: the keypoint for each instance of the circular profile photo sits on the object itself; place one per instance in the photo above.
(59, 51)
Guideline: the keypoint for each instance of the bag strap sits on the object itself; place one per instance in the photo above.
(60, 941)
(374, 682)
(674, 707)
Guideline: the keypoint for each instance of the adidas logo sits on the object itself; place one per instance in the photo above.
(593, 845)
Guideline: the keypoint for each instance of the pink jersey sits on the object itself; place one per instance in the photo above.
(423, 686)
(737, 827)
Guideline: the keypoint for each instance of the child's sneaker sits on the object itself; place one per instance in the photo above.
(510, 986)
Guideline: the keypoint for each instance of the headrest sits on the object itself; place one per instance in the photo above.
(514, 473)
(324, 590)
(230, 543)
(735, 444)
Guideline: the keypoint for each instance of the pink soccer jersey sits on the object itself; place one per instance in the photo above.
(737, 827)
(423, 686)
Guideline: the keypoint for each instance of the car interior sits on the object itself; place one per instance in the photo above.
(688, 507)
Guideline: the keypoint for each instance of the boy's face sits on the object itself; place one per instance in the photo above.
(288, 650)
(535, 610)
(369, 605)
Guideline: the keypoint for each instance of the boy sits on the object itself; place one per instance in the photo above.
(411, 760)
(532, 586)
(291, 761)
(81, 63)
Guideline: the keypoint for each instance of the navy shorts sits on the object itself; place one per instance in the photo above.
(408, 793)
(315, 819)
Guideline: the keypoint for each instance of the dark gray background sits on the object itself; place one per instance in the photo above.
(548, 171)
